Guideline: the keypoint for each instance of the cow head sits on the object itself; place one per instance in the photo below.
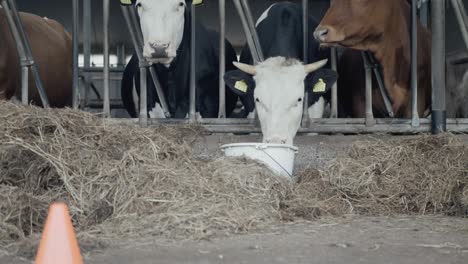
(276, 88)
(162, 24)
(355, 23)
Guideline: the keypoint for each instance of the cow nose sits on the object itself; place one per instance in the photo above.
(159, 50)
(321, 33)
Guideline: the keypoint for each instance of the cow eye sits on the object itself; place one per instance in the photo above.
(181, 4)
(257, 100)
(299, 100)
(138, 5)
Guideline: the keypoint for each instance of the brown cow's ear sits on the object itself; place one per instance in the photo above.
(239, 82)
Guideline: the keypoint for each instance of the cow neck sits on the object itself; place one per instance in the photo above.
(177, 77)
(392, 51)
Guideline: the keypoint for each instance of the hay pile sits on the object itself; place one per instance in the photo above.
(124, 181)
(418, 175)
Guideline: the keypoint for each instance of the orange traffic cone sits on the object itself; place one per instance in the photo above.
(58, 243)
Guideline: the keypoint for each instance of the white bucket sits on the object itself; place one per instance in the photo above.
(278, 157)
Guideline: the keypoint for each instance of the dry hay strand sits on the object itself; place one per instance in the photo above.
(123, 180)
(417, 175)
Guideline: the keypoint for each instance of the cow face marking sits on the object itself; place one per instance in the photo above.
(162, 25)
(347, 22)
(276, 88)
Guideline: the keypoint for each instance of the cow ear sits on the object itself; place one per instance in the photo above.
(239, 82)
(320, 81)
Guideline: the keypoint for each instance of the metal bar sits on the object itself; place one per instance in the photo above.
(460, 13)
(247, 31)
(370, 121)
(439, 124)
(193, 84)
(121, 55)
(305, 57)
(143, 117)
(24, 85)
(222, 59)
(106, 106)
(414, 63)
(424, 13)
(334, 92)
(75, 44)
(253, 30)
(21, 54)
(87, 16)
(380, 82)
(28, 51)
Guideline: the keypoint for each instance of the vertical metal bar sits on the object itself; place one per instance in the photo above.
(370, 121)
(11, 7)
(253, 30)
(86, 49)
(193, 88)
(106, 103)
(414, 63)
(439, 121)
(424, 13)
(21, 53)
(460, 13)
(121, 55)
(75, 44)
(24, 85)
(143, 117)
(305, 57)
(334, 92)
(247, 31)
(222, 59)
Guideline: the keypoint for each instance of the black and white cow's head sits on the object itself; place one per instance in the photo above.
(276, 89)
(162, 24)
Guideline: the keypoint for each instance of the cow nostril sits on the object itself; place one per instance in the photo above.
(321, 33)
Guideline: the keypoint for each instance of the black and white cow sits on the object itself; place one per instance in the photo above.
(275, 88)
(166, 28)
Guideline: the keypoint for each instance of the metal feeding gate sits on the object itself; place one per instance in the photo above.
(438, 122)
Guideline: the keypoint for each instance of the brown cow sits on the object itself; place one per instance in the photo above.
(382, 27)
(52, 50)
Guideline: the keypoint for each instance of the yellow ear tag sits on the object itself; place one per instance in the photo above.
(197, 2)
(241, 86)
(320, 86)
(126, 2)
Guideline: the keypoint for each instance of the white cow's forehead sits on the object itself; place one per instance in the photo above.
(280, 76)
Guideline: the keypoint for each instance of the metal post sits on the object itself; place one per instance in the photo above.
(121, 55)
(21, 54)
(424, 13)
(106, 103)
(370, 121)
(24, 85)
(414, 63)
(247, 31)
(222, 59)
(305, 44)
(143, 117)
(460, 13)
(75, 44)
(253, 30)
(86, 49)
(334, 92)
(439, 121)
(16, 25)
(193, 84)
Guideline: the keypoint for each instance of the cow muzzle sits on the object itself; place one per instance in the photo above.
(158, 50)
(321, 34)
